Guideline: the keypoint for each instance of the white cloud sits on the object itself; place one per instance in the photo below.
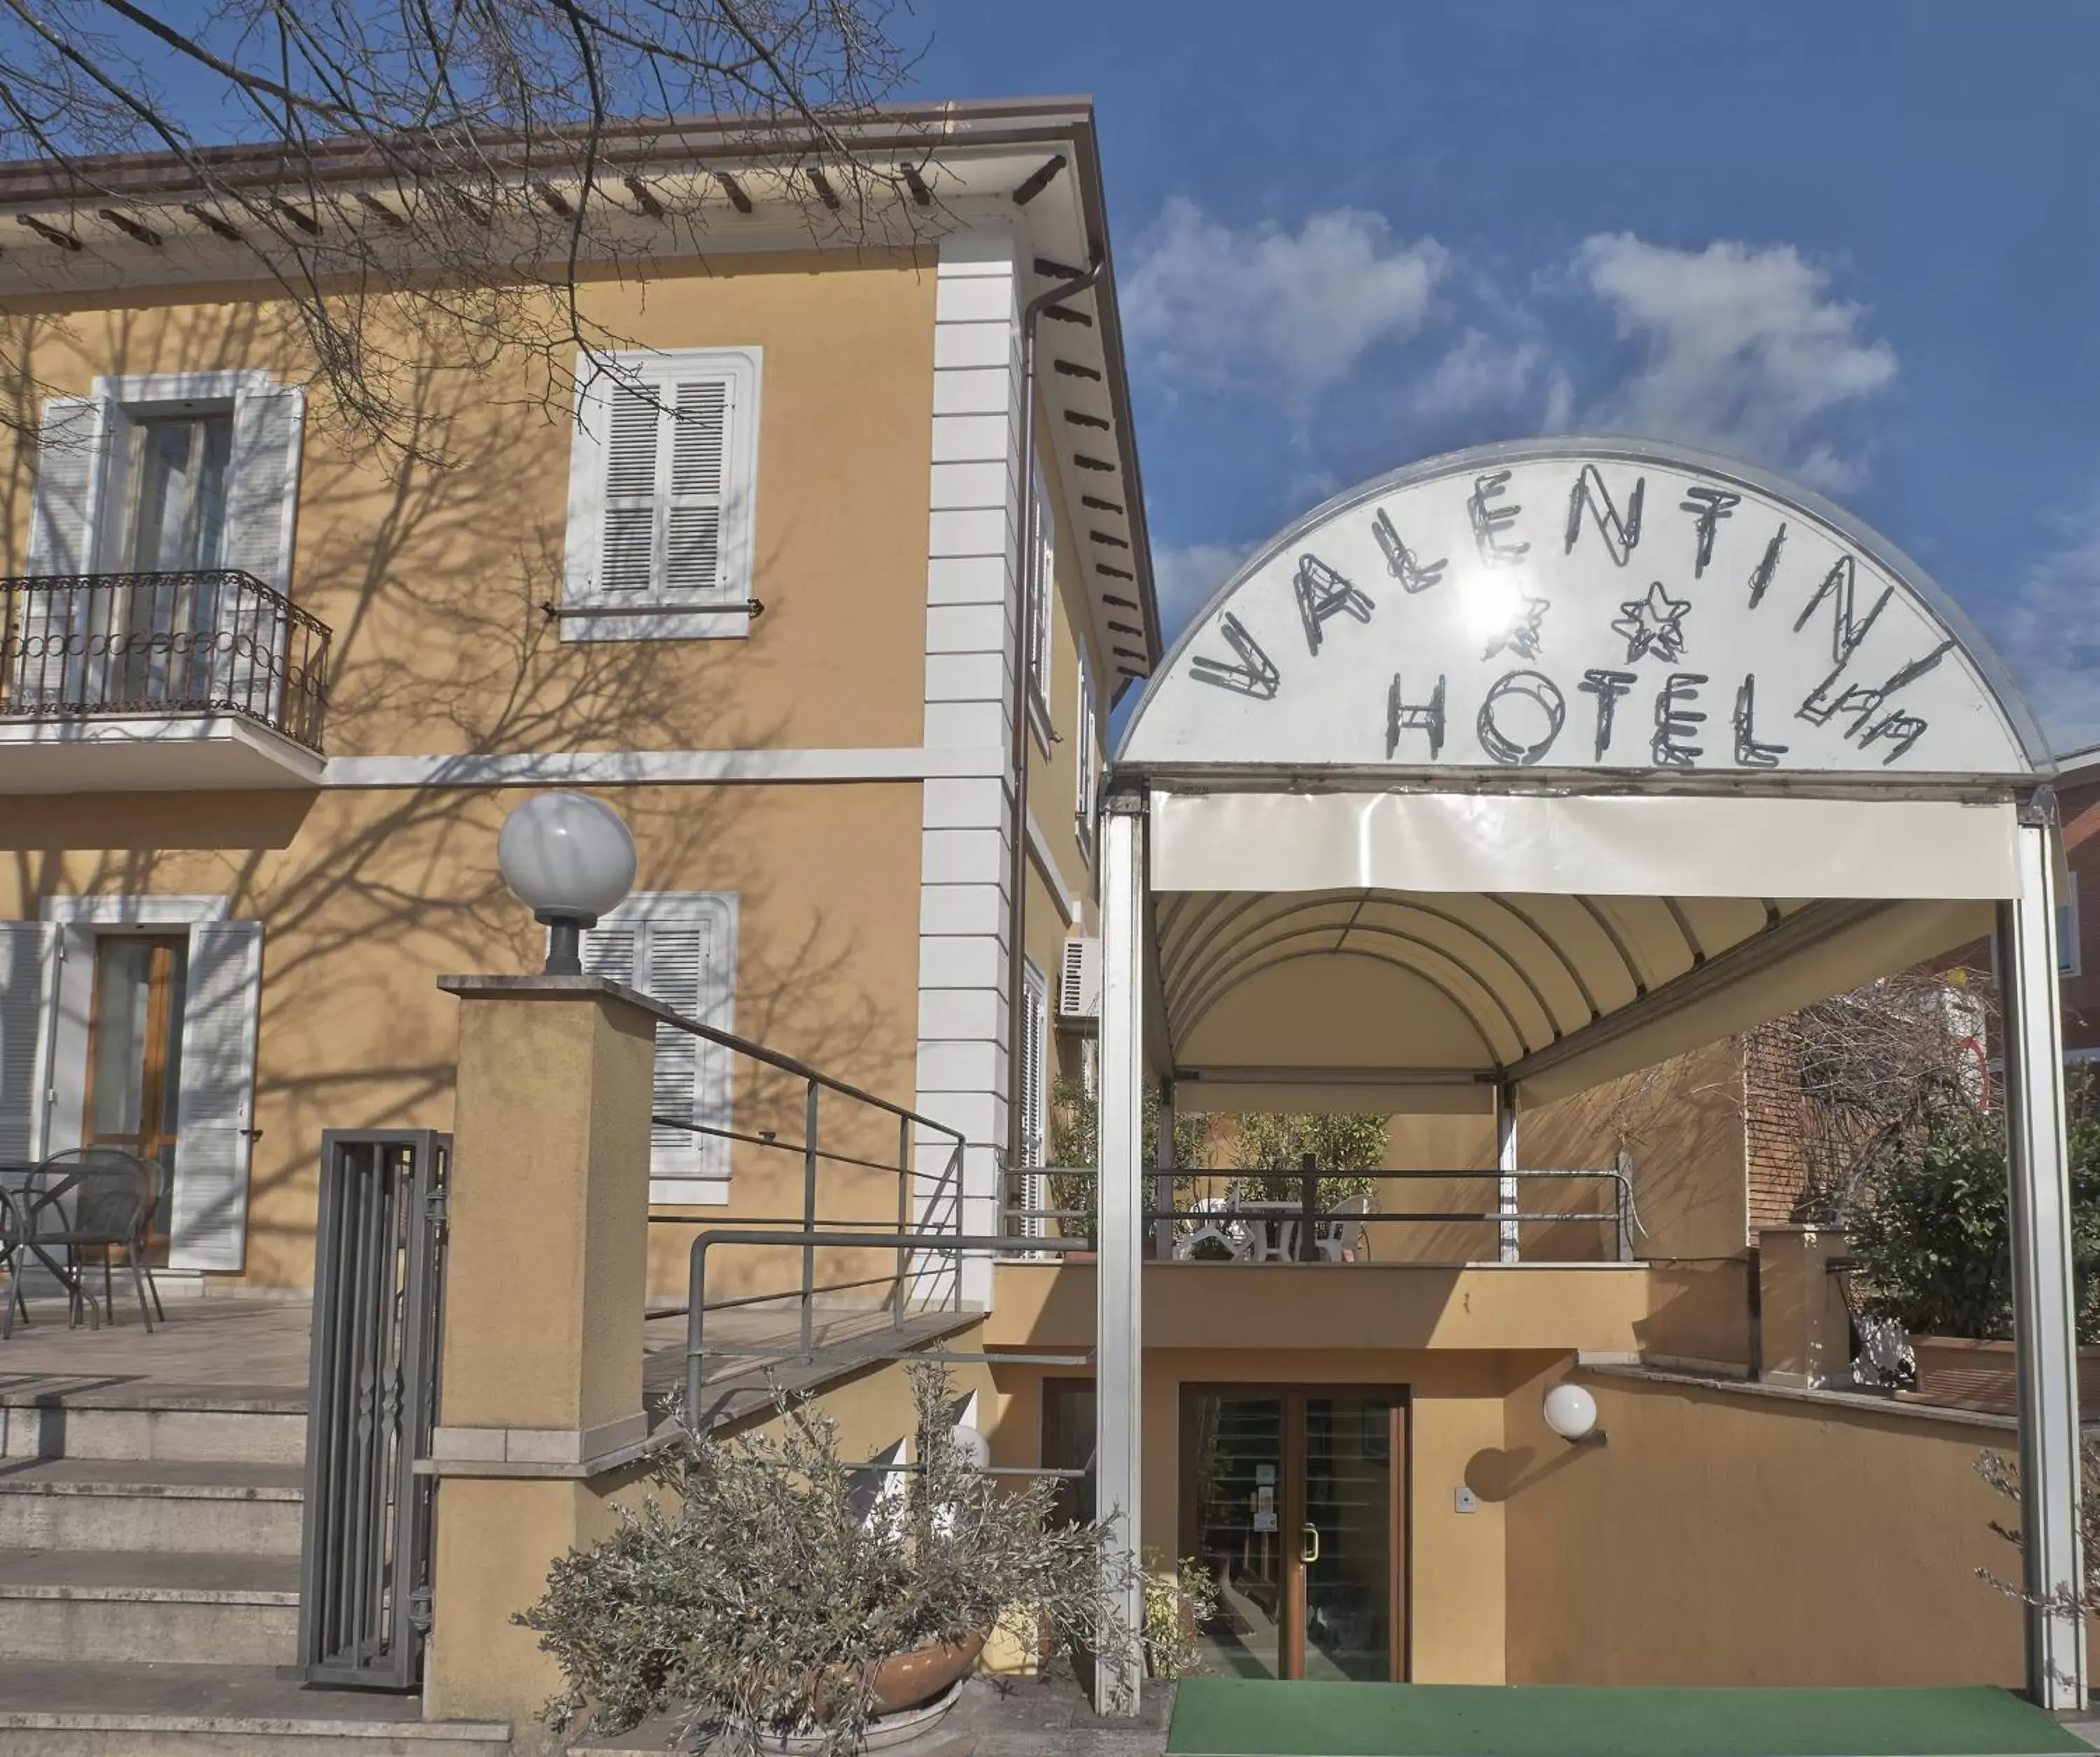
(2045, 631)
(1186, 577)
(1745, 349)
(1480, 373)
(1284, 314)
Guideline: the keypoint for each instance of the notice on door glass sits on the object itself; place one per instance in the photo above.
(1264, 1504)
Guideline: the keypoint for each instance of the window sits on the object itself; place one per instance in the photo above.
(170, 472)
(2069, 960)
(182, 473)
(662, 492)
(134, 1018)
(178, 473)
(679, 948)
(1046, 597)
(1087, 737)
(1035, 1057)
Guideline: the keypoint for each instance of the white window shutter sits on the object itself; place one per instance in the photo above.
(698, 442)
(72, 460)
(215, 1117)
(28, 966)
(263, 483)
(629, 490)
(73, 451)
(1086, 735)
(608, 951)
(679, 948)
(661, 495)
(1035, 1053)
(1046, 590)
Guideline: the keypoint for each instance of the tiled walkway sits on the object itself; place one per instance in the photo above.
(235, 1350)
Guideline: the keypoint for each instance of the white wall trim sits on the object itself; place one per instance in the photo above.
(1065, 896)
(146, 389)
(133, 911)
(973, 648)
(613, 768)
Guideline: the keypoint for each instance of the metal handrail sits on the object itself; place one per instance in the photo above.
(905, 1240)
(204, 641)
(809, 1232)
(1620, 1216)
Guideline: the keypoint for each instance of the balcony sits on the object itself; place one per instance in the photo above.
(138, 682)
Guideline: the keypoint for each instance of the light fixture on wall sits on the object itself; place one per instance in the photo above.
(569, 858)
(971, 1447)
(1571, 1413)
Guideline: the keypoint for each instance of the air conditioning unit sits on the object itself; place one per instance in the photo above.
(1079, 982)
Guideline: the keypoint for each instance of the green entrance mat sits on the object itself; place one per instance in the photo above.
(1242, 1717)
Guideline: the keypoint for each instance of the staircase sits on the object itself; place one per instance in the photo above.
(149, 1560)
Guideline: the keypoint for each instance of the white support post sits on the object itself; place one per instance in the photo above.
(1118, 1275)
(1162, 1186)
(2043, 1325)
(1506, 1249)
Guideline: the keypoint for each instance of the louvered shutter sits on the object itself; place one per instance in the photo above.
(262, 506)
(678, 949)
(29, 963)
(1046, 591)
(215, 1118)
(660, 496)
(1035, 1053)
(1087, 737)
(627, 559)
(698, 442)
(678, 957)
(48, 643)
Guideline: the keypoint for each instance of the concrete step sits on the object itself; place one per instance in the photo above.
(81, 1709)
(216, 1509)
(163, 1607)
(76, 1423)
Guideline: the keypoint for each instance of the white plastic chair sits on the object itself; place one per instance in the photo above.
(1213, 1226)
(1341, 1236)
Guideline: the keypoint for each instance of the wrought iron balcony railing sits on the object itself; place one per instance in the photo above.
(217, 642)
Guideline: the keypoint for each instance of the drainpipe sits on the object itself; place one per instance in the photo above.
(1016, 876)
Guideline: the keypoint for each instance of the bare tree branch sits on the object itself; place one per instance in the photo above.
(421, 180)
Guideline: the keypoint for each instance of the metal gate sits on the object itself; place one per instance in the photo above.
(366, 1550)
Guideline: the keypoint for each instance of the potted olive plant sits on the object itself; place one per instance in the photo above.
(787, 1600)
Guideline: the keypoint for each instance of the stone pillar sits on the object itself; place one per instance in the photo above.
(545, 1275)
(1804, 1335)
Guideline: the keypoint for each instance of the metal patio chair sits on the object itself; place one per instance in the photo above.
(86, 1198)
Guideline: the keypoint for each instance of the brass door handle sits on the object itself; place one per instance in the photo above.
(1311, 1552)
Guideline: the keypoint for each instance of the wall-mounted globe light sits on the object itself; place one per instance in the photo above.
(568, 858)
(1571, 1413)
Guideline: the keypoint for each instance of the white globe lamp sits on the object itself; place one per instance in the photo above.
(569, 858)
(971, 1447)
(1571, 1412)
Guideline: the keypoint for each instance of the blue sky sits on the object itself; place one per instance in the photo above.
(1859, 244)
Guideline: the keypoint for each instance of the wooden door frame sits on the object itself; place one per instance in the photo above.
(1291, 1518)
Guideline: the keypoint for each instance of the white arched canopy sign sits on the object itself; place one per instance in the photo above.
(1590, 605)
(1525, 767)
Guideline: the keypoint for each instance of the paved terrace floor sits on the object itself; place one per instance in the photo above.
(243, 1351)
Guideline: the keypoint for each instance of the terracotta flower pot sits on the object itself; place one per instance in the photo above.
(904, 1680)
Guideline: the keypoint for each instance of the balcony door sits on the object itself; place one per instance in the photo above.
(1290, 1497)
(134, 1053)
(164, 645)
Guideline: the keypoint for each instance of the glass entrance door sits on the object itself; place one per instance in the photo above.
(1290, 1498)
(134, 1054)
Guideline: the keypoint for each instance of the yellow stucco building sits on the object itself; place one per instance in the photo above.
(758, 577)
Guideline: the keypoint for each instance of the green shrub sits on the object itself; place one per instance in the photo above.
(766, 1567)
(1932, 1235)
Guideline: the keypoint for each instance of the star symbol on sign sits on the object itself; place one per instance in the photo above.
(1653, 624)
(1521, 635)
